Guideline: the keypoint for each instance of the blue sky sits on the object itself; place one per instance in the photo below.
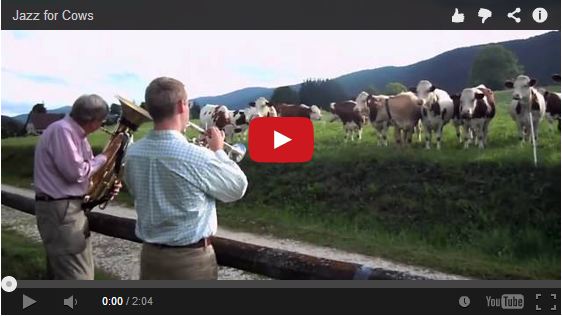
(56, 67)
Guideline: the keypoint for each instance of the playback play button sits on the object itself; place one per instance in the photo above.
(279, 139)
(27, 301)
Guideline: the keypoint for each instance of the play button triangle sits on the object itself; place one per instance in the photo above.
(279, 139)
(27, 301)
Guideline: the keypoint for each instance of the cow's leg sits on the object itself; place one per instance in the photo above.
(475, 134)
(485, 132)
(458, 132)
(439, 134)
(428, 131)
(408, 135)
(359, 133)
(467, 133)
(385, 133)
(479, 130)
(520, 131)
(379, 134)
(397, 136)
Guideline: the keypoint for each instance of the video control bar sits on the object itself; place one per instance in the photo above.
(327, 301)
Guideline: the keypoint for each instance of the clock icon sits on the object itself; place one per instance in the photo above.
(464, 301)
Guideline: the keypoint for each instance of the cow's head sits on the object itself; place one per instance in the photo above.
(468, 99)
(261, 105)
(361, 102)
(315, 113)
(424, 89)
(521, 87)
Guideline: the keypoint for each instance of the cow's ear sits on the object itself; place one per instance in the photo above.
(556, 78)
(432, 88)
(413, 89)
(479, 96)
(509, 84)
(532, 82)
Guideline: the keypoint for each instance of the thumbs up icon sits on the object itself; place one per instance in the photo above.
(457, 17)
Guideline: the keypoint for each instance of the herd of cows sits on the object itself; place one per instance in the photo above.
(425, 108)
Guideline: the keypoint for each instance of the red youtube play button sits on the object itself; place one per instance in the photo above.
(281, 139)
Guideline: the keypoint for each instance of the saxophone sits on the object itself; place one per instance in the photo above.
(103, 181)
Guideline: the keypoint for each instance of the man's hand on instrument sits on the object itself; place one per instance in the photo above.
(117, 185)
(215, 138)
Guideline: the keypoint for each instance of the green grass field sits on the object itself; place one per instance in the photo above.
(483, 213)
(24, 259)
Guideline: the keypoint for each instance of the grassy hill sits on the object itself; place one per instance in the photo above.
(539, 56)
(483, 213)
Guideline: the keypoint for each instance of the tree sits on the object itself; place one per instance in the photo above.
(37, 108)
(372, 90)
(194, 110)
(321, 92)
(394, 88)
(493, 65)
(284, 95)
(115, 109)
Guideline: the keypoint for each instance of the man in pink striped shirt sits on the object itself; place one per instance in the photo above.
(64, 163)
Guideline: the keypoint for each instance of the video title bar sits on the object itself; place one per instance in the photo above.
(276, 15)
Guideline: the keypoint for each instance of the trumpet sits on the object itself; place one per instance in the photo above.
(235, 152)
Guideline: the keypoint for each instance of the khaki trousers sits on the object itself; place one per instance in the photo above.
(63, 227)
(163, 263)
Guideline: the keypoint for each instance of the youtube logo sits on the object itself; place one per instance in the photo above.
(281, 139)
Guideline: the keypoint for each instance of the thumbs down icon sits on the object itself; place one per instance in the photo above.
(484, 14)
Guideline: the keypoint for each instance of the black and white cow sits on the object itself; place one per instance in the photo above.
(477, 109)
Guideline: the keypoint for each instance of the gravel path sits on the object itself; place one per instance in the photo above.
(121, 257)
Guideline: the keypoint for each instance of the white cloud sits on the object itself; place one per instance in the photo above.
(208, 62)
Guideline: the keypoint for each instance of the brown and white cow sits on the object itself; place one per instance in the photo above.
(552, 107)
(552, 104)
(477, 109)
(300, 110)
(437, 110)
(351, 119)
(403, 111)
(219, 116)
(261, 108)
(526, 99)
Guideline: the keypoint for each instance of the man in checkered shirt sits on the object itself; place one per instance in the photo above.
(175, 184)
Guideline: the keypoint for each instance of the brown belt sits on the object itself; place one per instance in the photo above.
(204, 242)
(47, 198)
